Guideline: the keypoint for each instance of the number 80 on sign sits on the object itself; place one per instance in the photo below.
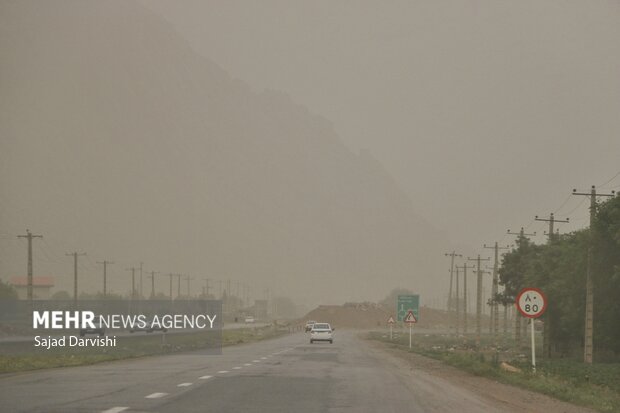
(531, 302)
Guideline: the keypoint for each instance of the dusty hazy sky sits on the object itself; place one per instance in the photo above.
(485, 112)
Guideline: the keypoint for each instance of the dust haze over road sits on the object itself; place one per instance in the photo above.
(285, 157)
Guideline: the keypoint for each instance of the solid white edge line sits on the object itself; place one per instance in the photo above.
(155, 395)
(117, 409)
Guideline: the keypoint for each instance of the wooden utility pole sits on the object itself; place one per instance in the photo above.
(588, 348)
(105, 276)
(75, 256)
(478, 297)
(29, 236)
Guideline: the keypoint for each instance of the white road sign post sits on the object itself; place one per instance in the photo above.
(532, 303)
(411, 320)
(390, 321)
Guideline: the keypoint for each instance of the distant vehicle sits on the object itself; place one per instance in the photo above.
(321, 332)
(309, 325)
(148, 327)
(99, 329)
(249, 320)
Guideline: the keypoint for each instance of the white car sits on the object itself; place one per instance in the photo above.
(321, 332)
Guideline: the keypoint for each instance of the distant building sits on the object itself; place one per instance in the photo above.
(41, 287)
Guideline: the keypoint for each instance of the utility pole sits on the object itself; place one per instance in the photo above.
(105, 276)
(152, 277)
(478, 297)
(179, 285)
(457, 301)
(495, 288)
(170, 275)
(464, 268)
(546, 353)
(29, 236)
(188, 278)
(75, 256)
(520, 238)
(588, 344)
(551, 220)
(141, 290)
(219, 283)
(451, 255)
(207, 287)
(133, 281)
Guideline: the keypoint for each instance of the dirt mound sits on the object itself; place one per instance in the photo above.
(370, 315)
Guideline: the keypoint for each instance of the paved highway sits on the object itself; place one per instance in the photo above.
(281, 375)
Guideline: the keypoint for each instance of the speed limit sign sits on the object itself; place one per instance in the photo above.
(531, 302)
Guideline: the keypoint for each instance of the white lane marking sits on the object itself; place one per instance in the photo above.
(184, 384)
(255, 361)
(204, 377)
(155, 395)
(223, 371)
(117, 409)
(247, 364)
(263, 358)
(236, 368)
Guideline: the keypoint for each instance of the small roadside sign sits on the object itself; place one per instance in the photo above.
(531, 302)
(410, 318)
(390, 321)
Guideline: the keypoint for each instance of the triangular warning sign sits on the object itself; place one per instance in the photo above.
(391, 320)
(410, 318)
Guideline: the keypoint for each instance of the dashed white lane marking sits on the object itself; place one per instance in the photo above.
(223, 371)
(117, 409)
(263, 358)
(204, 377)
(155, 395)
(184, 384)
(236, 368)
(255, 361)
(247, 364)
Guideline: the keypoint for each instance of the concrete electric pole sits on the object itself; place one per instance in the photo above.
(478, 297)
(29, 236)
(495, 289)
(75, 256)
(450, 298)
(520, 237)
(105, 264)
(588, 344)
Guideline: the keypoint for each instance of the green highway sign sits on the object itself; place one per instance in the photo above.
(406, 303)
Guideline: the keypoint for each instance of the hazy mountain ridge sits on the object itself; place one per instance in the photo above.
(145, 149)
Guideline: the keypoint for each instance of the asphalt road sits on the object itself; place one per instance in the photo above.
(287, 374)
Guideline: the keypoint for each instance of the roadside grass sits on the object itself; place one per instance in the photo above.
(596, 386)
(139, 345)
